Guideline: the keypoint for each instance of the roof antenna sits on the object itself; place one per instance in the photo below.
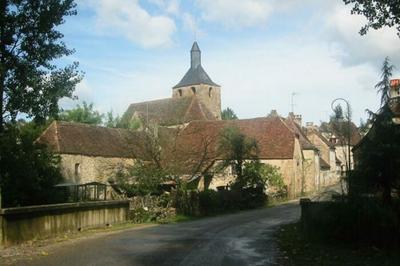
(292, 100)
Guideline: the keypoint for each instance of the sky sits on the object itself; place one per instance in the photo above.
(263, 53)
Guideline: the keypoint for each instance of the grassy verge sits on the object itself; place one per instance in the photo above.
(295, 249)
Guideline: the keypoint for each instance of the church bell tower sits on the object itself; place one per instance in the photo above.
(197, 83)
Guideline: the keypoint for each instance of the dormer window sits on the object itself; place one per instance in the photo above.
(194, 90)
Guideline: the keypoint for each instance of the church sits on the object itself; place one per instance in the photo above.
(188, 126)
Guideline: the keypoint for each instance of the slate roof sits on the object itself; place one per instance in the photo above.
(195, 76)
(168, 112)
(77, 138)
(275, 139)
(196, 73)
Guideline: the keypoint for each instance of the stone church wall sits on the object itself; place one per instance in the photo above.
(208, 95)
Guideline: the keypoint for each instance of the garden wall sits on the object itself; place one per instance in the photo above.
(36, 222)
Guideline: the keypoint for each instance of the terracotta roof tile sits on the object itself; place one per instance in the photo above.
(275, 140)
(76, 138)
(168, 112)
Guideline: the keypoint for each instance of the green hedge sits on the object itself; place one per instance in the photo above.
(363, 220)
(210, 202)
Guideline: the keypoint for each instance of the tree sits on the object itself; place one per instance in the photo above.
(112, 121)
(82, 114)
(337, 114)
(378, 155)
(236, 148)
(379, 13)
(228, 114)
(383, 86)
(29, 171)
(30, 80)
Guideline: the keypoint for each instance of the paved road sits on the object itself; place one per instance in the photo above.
(244, 238)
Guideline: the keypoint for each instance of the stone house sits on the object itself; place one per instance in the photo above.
(88, 153)
(191, 120)
(330, 165)
(278, 145)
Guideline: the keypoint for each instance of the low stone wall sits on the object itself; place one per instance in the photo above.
(36, 222)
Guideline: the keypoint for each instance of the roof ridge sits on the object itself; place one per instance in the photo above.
(157, 100)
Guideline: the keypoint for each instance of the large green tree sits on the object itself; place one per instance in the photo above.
(378, 155)
(84, 113)
(31, 79)
(379, 13)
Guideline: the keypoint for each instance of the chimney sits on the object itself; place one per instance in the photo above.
(273, 113)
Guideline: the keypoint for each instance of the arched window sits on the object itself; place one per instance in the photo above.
(194, 90)
(209, 92)
(77, 169)
(180, 93)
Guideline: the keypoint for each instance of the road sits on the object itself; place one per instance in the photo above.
(245, 238)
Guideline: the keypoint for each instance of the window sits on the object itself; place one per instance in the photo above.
(180, 93)
(194, 90)
(209, 92)
(77, 169)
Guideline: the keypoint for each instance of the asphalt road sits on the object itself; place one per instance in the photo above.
(244, 238)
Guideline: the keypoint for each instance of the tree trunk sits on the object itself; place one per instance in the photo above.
(3, 6)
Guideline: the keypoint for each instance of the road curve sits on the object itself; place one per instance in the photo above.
(244, 238)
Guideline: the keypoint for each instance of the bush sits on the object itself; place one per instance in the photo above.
(28, 171)
(210, 202)
(364, 220)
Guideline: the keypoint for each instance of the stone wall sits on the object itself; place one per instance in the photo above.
(208, 95)
(84, 169)
(38, 222)
(311, 171)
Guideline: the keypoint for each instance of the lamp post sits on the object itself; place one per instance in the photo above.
(348, 133)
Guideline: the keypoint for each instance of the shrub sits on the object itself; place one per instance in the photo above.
(363, 220)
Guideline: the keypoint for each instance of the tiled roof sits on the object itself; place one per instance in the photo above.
(168, 112)
(76, 138)
(317, 133)
(305, 143)
(275, 140)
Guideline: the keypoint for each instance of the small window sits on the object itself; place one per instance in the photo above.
(77, 169)
(180, 93)
(209, 92)
(194, 90)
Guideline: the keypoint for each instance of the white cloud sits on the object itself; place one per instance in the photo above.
(83, 92)
(343, 29)
(243, 13)
(169, 6)
(132, 21)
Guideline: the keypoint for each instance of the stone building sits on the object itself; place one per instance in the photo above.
(88, 153)
(191, 120)
(330, 165)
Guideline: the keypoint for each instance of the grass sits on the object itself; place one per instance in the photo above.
(295, 249)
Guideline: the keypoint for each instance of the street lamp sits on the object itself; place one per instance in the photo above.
(349, 131)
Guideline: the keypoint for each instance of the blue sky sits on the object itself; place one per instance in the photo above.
(259, 51)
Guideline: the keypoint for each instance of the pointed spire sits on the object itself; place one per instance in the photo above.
(195, 56)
